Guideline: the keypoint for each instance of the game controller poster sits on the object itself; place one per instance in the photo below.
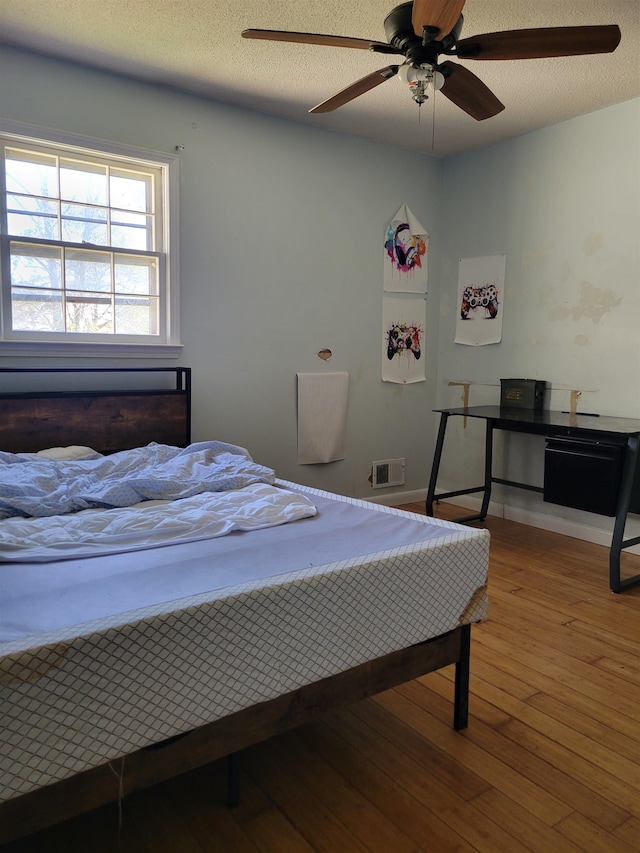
(480, 302)
(405, 253)
(403, 325)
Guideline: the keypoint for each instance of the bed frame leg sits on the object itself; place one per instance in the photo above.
(233, 780)
(461, 690)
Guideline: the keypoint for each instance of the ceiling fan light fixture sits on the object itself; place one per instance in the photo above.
(438, 81)
(421, 79)
(412, 74)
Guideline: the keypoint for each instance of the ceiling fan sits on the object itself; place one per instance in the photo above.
(424, 30)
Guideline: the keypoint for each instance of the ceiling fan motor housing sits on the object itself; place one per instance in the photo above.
(398, 28)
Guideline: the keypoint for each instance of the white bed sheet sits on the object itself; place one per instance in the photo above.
(108, 655)
(151, 524)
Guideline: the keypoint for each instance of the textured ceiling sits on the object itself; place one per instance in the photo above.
(196, 46)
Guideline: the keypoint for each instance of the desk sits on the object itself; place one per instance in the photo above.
(624, 432)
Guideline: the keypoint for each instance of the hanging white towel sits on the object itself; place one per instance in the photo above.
(322, 417)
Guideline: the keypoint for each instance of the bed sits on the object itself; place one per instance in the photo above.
(121, 669)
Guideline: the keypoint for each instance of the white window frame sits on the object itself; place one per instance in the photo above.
(167, 343)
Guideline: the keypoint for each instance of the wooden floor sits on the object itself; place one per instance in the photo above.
(550, 761)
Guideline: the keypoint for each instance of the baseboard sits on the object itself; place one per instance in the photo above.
(397, 498)
(553, 523)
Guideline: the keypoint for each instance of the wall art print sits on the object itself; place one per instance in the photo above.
(480, 303)
(403, 325)
(405, 253)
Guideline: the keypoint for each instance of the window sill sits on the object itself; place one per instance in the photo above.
(48, 349)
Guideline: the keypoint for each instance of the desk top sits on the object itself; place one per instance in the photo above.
(546, 422)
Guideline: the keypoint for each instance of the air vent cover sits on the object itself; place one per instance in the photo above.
(388, 472)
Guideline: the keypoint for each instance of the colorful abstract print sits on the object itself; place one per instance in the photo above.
(474, 298)
(403, 339)
(404, 249)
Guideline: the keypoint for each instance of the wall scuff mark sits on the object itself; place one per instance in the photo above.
(592, 244)
(594, 303)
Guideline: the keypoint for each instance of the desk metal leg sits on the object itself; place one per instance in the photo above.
(488, 468)
(618, 541)
(444, 417)
(486, 488)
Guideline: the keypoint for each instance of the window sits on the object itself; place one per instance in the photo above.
(86, 248)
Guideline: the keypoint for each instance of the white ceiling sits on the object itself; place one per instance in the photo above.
(196, 46)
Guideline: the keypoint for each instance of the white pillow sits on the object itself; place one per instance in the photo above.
(72, 453)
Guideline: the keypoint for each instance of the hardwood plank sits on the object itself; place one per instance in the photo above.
(629, 832)
(200, 797)
(608, 635)
(539, 663)
(480, 757)
(522, 824)
(583, 832)
(555, 793)
(320, 780)
(594, 722)
(312, 819)
(379, 787)
(599, 781)
(408, 736)
(162, 824)
(478, 829)
(272, 831)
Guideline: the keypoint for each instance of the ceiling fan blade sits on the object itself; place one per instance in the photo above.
(314, 38)
(540, 43)
(440, 14)
(468, 92)
(356, 89)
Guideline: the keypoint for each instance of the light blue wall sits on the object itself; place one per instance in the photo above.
(281, 230)
(280, 256)
(563, 204)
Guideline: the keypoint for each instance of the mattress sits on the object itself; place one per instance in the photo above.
(105, 655)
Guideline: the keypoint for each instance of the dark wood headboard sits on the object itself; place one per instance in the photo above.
(106, 420)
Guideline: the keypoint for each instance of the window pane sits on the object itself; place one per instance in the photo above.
(32, 217)
(136, 316)
(132, 231)
(87, 270)
(136, 275)
(42, 227)
(85, 182)
(84, 224)
(89, 314)
(31, 173)
(36, 310)
(131, 191)
(36, 266)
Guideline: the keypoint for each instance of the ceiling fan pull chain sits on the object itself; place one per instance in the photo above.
(433, 123)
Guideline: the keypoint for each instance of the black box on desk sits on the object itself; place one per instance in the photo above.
(522, 393)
